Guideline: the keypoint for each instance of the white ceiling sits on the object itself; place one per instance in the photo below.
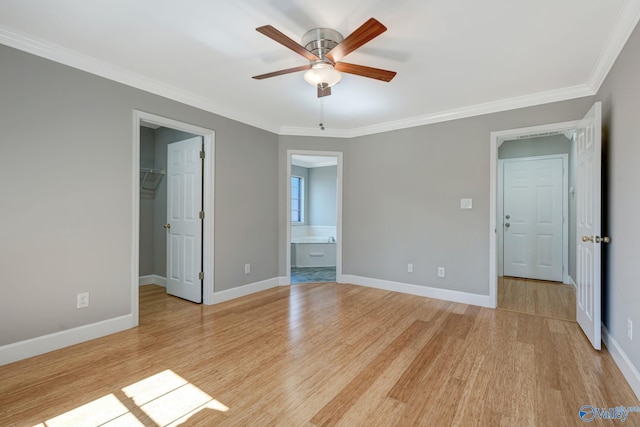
(453, 58)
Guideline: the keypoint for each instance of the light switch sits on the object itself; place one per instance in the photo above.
(466, 203)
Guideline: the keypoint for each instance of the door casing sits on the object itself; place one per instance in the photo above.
(495, 140)
(208, 136)
(338, 155)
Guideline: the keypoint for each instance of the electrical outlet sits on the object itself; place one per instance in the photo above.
(82, 300)
(409, 268)
(629, 328)
(440, 271)
(247, 268)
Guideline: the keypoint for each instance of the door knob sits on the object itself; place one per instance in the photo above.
(167, 226)
(508, 216)
(507, 225)
(596, 239)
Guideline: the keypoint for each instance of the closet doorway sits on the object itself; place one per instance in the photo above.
(164, 236)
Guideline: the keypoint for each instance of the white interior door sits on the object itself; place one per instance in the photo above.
(184, 225)
(533, 218)
(589, 152)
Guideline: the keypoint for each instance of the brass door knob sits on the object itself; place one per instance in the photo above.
(587, 239)
(167, 226)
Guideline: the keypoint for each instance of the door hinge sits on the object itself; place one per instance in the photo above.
(201, 214)
(201, 275)
(202, 154)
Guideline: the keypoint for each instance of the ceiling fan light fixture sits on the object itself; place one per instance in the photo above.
(322, 75)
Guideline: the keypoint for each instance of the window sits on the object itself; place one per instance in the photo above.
(297, 199)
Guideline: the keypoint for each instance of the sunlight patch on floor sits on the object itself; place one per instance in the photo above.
(166, 398)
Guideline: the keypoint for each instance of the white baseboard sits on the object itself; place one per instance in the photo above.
(283, 281)
(572, 282)
(423, 291)
(32, 347)
(629, 371)
(152, 279)
(245, 290)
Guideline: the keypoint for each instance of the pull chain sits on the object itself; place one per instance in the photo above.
(321, 114)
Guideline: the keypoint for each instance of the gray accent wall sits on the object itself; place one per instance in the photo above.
(323, 195)
(531, 147)
(147, 203)
(67, 167)
(402, 191)
(620, 96)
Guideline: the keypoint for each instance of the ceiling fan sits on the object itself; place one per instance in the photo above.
(325, 48)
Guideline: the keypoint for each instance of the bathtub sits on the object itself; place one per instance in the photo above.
(313, 251)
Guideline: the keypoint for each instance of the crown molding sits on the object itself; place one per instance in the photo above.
(626, 21)
(454, 114)
(80, 61)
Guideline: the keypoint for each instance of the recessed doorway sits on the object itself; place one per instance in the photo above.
(314, 216)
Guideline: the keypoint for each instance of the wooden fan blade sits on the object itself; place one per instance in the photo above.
(324, 92)
(281, 72)
(277, 36)
(364, 34)
(361, 70)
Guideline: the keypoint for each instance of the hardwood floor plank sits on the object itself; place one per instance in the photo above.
(547, 299)
(321, 354)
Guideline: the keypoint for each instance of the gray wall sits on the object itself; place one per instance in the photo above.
(620, 95)
(323, 195)
(67, 151)
(531, 147)
(147, 202)
(402, 191)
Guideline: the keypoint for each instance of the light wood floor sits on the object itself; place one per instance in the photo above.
(319, 354)
(549, 299)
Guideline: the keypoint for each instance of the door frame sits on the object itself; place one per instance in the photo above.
(338, 155)
(565, 210)
(495, 140)
(208, 137)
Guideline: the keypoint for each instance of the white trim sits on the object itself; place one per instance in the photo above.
(629, 372)
(338, 155)
(32, 347)
(626, 22)
(283, 281)
(495, 140)
(208, 136)
(444, 116)
(242, 291)
(423, 291)
(152, 279)
(572, 282)
(565, 208)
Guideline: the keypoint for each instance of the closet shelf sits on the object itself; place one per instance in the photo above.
(150, 178)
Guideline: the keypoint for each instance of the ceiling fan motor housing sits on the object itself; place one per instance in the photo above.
(320, 41)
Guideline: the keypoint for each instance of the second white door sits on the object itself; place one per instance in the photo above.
(184, 225)
(533, 218)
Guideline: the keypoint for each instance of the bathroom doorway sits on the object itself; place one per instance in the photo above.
(314, 216)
